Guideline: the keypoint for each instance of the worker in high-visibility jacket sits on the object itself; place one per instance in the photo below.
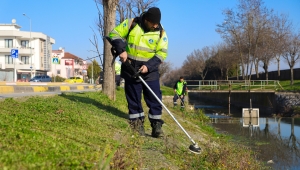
(142, 41)
(180, 90)
(118, 73)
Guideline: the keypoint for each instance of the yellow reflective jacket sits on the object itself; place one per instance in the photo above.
(180, 87)
(117, 68)
(143, 48)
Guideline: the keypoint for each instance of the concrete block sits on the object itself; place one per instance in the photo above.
(40, 89)
(73, 87)
(53, 88)
(64, 88)
(22, 89)
(80, 87)
(6, 89)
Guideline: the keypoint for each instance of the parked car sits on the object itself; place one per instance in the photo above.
(43, 78)
(74, 80)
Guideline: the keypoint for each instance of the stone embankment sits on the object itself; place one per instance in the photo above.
(287, 104)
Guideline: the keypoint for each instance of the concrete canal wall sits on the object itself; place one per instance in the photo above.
(282, 103)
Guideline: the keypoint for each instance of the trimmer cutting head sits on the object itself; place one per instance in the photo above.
(195, 148)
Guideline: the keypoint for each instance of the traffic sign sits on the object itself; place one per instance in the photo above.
(14, 53)
(55, 61)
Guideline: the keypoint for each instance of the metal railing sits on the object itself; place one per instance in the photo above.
(233, 84)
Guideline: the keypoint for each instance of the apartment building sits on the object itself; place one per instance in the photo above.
(66, 65)
(34, 50)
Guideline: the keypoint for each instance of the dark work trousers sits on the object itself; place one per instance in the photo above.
(175, 98)
(134, 90)
(118, 79)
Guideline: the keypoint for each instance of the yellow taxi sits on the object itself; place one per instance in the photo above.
(74, 80)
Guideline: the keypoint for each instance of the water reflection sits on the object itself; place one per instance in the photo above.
(275, 139)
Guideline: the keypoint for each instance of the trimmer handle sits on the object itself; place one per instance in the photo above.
(129, 67)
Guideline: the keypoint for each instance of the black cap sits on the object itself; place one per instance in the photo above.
(153, 15)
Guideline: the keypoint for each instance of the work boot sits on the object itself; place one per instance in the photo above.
(174, 104)
(156, 128)
(137, 126)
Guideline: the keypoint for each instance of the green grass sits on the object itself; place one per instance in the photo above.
(167, 91)
(89, 131)
(287, 87)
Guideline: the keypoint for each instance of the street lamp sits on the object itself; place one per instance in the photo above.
(30, 46)
(93, 64)
(92, 81)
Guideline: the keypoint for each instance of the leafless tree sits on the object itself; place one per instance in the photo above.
(164, 69)
(224, 58)
(108, 86)
(231, 31)
(264, 50)
(255, 20)
(244, 29)
(171, 77)
(195, 63)
(281, 27)
(292, 53)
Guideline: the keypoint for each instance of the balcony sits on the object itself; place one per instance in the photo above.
(77, 66)
(22, 50)
(18, 66)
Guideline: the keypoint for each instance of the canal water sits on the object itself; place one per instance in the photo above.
(276, 140)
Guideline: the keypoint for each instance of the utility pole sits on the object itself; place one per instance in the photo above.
(30, 43)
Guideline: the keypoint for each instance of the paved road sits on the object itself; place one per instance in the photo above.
(16, 95)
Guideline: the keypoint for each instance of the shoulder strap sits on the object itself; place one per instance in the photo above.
(132, 25)
(161, 32)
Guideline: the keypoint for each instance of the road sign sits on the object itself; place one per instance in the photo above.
(84, 67)
(250, 117)
(14, 53)
(55, 61)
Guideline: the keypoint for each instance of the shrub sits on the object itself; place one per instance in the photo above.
(57, 79)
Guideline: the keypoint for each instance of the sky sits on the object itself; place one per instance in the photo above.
(189, 24)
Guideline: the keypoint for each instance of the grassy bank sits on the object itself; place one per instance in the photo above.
(287, 87)
(88, 131)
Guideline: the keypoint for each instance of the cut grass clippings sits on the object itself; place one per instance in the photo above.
(89, 131)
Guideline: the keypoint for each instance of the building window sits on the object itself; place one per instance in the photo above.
(25, 59)
(25, 43)
(8, 43)
(8, 59)
(57, 71)
(76, 71)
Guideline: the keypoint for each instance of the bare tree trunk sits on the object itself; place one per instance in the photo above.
(256, 68)
(292, 75)
(243, 70)
(109, 87)
(278, 68)
(266, 67)
(237, 72)
(227, 74)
